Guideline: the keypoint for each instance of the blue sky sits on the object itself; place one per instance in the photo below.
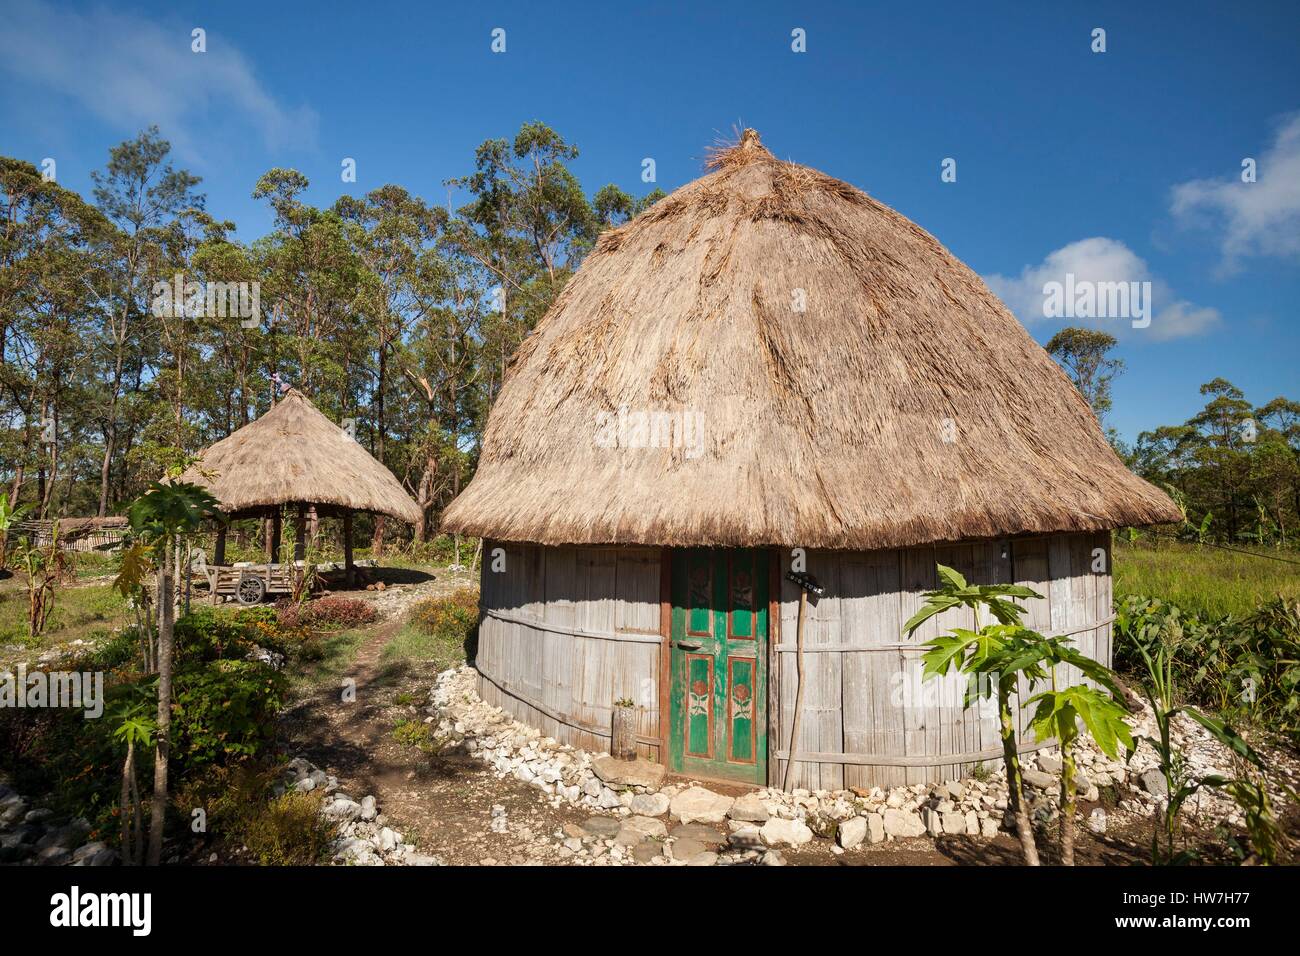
(1118, 165)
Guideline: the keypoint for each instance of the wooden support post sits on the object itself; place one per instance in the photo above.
(349, 572)
(219, 553)
(273, 545)
(300, 532)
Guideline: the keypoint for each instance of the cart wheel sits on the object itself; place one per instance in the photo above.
(250, 590)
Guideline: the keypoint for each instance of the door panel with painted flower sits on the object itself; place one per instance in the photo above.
(718, 721)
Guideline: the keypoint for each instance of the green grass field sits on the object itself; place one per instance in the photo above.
(1208, 582)
(86, 611)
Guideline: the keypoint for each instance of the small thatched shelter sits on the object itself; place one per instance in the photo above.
(769, 363)
(295, 456)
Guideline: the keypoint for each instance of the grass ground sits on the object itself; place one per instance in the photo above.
(1209, 582)
(84, 611)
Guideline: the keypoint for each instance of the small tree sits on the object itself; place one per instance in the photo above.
(161, 518)
(1061, 711)
(134, 729)
(994, 655)
(42, 568)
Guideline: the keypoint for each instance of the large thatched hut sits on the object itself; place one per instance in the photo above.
(769, 364)
(294, 457)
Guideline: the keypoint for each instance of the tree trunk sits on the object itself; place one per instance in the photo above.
(162, 747)
(1067, 804)
(1015, 791)
(128, 772)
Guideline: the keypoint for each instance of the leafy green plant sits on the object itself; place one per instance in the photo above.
(167, 513)
(994, 655)
(1181, 785)
(9, 517)
(1059, 713)
(1247, 669)
(225, 709)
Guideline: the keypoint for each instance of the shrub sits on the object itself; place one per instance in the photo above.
(287, 831)
(452, 619)
(326, 614)
(224, 709)
(242, 810)
(414, 733)
(1247, 669)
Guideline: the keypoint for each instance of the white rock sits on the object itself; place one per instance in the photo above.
(700, 805)
(792, 832)
(903, 823)
(852, 832)
(649, 804)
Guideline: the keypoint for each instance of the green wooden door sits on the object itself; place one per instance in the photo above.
(719, 663)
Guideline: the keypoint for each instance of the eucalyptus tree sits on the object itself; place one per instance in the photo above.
(1085, 356)
(310, 280)
(142, 194)
(392, 233)
(528, 224)
(46, 233)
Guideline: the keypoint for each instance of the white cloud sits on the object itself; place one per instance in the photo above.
(133, 71)
(1252, 219)
(1101, 260)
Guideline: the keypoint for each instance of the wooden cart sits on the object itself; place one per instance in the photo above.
(249, 583)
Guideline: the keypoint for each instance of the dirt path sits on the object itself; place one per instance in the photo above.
(443, 805)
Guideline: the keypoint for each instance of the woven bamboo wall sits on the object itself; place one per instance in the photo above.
(566, 631)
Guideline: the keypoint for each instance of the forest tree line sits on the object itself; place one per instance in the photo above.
(400, 314)
(1233, 467)
(393, 311)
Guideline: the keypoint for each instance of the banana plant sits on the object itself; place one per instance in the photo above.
(9, 516)
(994, 655)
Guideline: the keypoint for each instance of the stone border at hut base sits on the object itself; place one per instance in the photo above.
(705, 828)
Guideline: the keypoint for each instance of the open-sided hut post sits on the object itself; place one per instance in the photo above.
(766, 367)
(295, 457)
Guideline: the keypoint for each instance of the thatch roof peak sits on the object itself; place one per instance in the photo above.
(748, 148)
(294, 454)
(827, 373)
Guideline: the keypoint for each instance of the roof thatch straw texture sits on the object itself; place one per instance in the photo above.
(294, 454)
(904, 405)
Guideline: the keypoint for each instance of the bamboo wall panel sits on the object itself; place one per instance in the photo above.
(886, 710)
(567, 631)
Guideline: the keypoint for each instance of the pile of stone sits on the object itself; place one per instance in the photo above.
(34, 836)
(364, 837)
(634, 795)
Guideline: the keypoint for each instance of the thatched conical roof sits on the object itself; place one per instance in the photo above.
(904, 405)
(295, 454)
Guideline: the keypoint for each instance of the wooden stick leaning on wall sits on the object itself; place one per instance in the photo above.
(798, 689)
